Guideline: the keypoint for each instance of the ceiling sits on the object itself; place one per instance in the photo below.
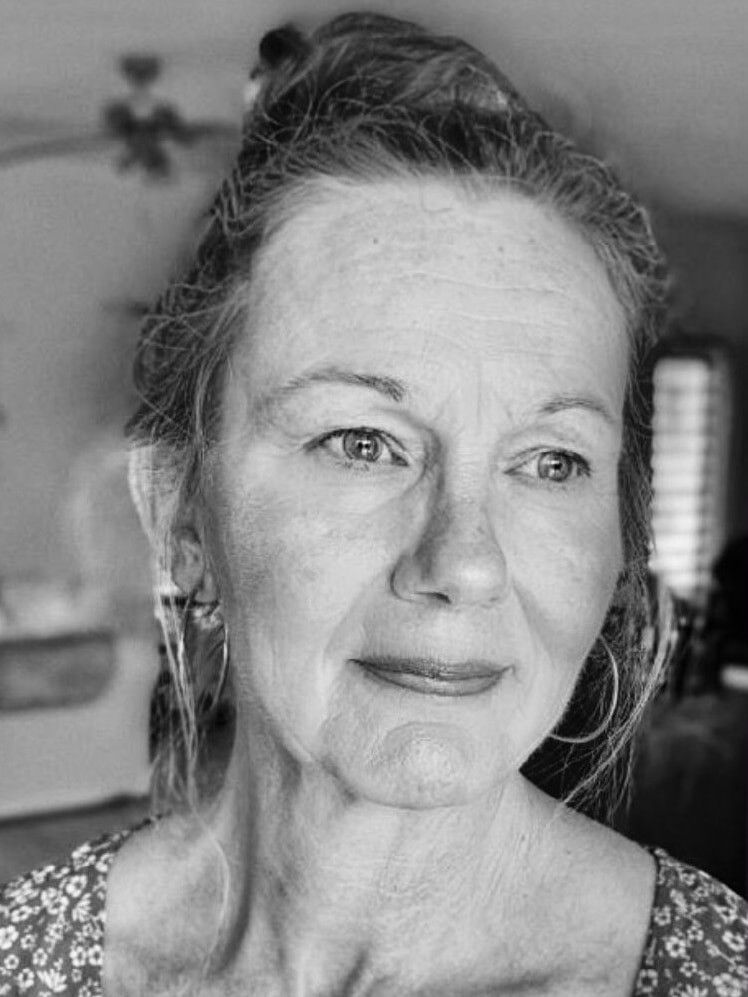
(660, 86)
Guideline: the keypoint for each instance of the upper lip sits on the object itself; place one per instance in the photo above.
(433, 666)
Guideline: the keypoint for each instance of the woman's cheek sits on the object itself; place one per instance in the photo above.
(565, 570)
(294, 566)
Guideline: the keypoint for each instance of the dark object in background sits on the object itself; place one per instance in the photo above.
(726, 628)
(56, 670)
(718, 636)
(690, 792)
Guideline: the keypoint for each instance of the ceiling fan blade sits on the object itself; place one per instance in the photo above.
(28, 127)
(216, 130)
(28, 152)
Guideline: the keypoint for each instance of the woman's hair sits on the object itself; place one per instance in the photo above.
(367, 98)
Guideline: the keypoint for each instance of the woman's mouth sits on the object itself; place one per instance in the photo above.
(433, 677)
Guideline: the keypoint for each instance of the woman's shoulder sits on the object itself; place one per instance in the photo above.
(669, 927)
(52, 923)
(698, 935)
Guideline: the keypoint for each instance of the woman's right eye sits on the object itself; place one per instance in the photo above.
(360, 448)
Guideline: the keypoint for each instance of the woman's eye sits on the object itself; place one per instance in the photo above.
(361, 444)
(559, 466)
(360, 447)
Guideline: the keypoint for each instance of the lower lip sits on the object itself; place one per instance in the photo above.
(472, 685)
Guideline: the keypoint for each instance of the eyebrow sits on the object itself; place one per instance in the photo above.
(394, 390)
(390, 387)
(562, 403)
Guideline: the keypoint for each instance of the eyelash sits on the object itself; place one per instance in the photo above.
(359, 465)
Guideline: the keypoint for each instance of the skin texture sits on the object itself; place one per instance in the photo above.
(380, 838)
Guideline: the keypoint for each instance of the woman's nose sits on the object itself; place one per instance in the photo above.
(457, 559)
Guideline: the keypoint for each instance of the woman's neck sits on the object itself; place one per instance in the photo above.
(286, 885)
(323, 886)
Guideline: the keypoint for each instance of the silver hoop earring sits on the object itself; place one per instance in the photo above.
(224, 672)
(602, 727)
(183, 667)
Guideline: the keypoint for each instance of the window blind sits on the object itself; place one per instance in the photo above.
(690, 435)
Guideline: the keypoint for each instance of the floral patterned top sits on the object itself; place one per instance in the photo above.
(52, 925)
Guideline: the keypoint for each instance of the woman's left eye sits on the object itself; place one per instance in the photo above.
(360, 447)
(558, 466)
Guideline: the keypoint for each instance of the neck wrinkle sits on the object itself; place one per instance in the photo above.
(323, 888)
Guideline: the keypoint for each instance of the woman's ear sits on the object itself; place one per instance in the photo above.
(190, 567)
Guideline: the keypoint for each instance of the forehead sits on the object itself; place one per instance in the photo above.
(422, 268)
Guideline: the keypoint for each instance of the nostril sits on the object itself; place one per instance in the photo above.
(442, 597)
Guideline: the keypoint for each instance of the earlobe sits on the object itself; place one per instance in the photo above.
(190, 569)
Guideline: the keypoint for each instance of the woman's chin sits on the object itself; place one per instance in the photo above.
(417, 766)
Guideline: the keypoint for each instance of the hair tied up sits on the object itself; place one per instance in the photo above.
(279, 49)
(282, 46)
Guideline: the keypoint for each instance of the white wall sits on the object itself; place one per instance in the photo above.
(74, 242)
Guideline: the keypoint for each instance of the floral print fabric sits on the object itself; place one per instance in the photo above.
(52, 925)
(698, 936)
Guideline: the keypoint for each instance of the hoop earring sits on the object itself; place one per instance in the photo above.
(184, 677)
(224, 672)
(602, 727)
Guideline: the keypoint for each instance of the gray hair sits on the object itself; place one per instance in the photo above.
(364, 98)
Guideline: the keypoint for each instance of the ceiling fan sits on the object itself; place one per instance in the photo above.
(146, 134)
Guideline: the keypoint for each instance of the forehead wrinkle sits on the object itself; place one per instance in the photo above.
(548, 400)
(490, 286)
(511, 320)
(362, 289)
(368, 256)
(513, 291)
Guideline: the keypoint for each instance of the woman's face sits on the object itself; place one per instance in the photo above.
(413, 516)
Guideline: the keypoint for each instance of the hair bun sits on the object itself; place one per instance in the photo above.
(279, 49)
(282, 45)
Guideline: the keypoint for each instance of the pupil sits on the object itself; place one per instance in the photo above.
(554, 466)
(359, 445)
